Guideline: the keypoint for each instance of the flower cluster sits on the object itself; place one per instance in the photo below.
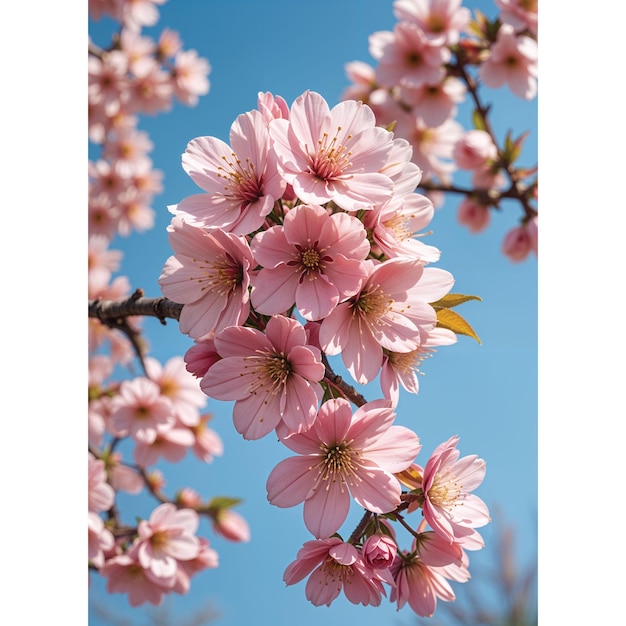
(301, 247)
(160, 413)
(437, 56)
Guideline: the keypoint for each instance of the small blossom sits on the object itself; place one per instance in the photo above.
(379, 551)
(209, 275)
(334, 565)
(333, 154)
(343, 455)
(272, 376)
(512, 60)
(231, 525)
(167, 537)
(449, 507)
(313, 259)
(101, 495)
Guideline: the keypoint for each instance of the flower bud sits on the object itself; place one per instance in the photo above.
(379, 551)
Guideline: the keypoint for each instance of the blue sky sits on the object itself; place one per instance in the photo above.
(486, 394)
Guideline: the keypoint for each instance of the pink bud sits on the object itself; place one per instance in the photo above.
(231, 526)
(379, 551)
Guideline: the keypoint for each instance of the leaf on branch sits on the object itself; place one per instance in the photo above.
(454, 322)
(513, 149)
(223, 502)
(453, 299)
(478, 120)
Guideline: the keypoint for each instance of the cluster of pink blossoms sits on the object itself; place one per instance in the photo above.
(435, 58)
(303, 245)
(161, 412)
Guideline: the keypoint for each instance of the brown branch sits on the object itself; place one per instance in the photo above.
(110, 312)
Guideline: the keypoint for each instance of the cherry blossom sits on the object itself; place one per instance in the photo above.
(272, 376)
(240, 182)
(343, 455)
(140, 411)
(441, 20)
(166, 538)
(314, 260)
(513, 60)
(334, 565)
(333, 154)
(407, 56)
(209, 275)
(449, 507)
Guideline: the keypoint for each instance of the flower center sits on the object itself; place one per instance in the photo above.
(310, 258)
(406, 362)
(373, 304)
(241, 179)
(445, 492)
(221, 276)
(413, 59)
(331, 158)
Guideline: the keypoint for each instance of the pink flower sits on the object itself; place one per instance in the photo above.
(421, 579)
(343, 455)
(474, 149)
(230, 525)
(434, 102)
(207, 558)
(190, 73)
(272, 377)
(379, 551)
(101, 540)
(123, 477)
(150, 90)
(402, 368)
(513, 60)
(441, 20)
(125, 574)
(139, 13)
(101, 495)
(520, 241)
(335, 565)
(314, 260)
(407, 56)
(473, 214)
(241, 183)
(209, 275)
(207, 443)
(139, 410)
(333, 154)
(167, 537)
(432, 146)
(390, 312)
(201, 356)
(519, 13)
(271, 106)
(179, 386)
(394, 227)
(449, 507)
(171, 444)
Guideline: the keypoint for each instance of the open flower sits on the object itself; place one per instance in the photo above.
(333, 154)
(314, 260)
(272, 377)
(390, 312)
(241, 182)
(209, 275)
(449, 507)
(335, 565)
(342, 455)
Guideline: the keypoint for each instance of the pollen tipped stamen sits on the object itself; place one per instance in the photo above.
(242, 182)
(331, 158)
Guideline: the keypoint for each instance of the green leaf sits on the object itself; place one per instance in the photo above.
(478, 120)
(457, 324)
(223, 502)
(453, 299)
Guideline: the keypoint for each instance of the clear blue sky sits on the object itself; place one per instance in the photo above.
(487, 394)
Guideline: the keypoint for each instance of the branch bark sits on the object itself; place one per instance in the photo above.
(110, 312)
